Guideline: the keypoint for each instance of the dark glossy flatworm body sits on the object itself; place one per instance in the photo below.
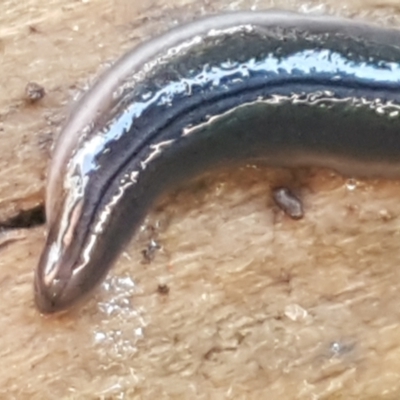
(285, 89)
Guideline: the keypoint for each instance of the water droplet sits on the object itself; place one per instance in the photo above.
(295, 312)
(311, 9)
(139, 332)
(146, 96)
(339, 348)
(335, 348)
(219, 188)
(385, 215)
(99, 337)
(229, 64)
(351, 184)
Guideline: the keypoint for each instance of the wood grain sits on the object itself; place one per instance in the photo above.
(257, 305)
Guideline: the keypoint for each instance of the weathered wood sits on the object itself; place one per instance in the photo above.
(252, 304)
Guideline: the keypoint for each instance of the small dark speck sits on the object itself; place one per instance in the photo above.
(288, 202)
(33, 29)
(163, 289)
(34, 92)
(45, 140)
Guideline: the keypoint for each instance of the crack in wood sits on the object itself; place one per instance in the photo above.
(29, 218)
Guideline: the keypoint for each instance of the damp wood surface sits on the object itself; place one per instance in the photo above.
(220, 295)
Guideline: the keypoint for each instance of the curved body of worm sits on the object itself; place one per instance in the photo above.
(280, 88)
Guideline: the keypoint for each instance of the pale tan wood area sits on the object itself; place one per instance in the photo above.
(240, 302)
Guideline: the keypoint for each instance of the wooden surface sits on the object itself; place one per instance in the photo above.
(240, 302)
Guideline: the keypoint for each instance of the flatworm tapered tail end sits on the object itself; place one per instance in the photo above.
(50, 283)
(55, 283)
